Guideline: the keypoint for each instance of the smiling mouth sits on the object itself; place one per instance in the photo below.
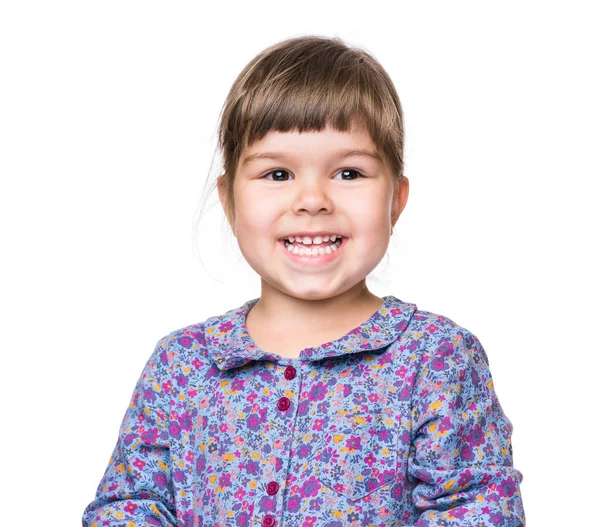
(313, 249)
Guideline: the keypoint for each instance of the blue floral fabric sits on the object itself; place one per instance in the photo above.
(394, 424)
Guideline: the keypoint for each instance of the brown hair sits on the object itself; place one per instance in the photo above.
(304, 84)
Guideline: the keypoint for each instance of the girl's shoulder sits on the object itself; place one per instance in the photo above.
(437, 335)
(193, 345)
(433, 323)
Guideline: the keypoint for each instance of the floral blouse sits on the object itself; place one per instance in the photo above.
(394, 424)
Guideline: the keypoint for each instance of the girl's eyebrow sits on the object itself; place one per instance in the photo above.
(338, 154)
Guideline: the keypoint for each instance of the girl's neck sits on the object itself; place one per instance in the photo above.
(293, 316)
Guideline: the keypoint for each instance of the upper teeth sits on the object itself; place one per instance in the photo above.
(307, 240)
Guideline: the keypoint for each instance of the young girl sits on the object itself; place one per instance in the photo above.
(318, 404)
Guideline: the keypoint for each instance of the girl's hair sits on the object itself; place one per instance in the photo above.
(304, 84)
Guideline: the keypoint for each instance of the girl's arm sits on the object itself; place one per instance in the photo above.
(461, 452)
(136, 486)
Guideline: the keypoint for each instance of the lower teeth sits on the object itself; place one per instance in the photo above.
(306, 251)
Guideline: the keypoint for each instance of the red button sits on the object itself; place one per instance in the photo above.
(283, 404)
(289, 373)
(272, 487)
(268, 521)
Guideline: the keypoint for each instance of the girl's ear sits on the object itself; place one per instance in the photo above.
(400, 197)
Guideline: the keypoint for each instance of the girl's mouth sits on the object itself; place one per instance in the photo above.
(326, 252)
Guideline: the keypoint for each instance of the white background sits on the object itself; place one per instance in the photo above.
(108, 116)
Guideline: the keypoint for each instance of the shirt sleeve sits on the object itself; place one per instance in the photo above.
(460, 460)
(137, 486)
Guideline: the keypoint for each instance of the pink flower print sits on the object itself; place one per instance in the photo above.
(188, 519)
(339, 487)
(373, 397)
(139, 464)
(196, 363)
(445, 349)
(405, 393)
(253, 422)
(466, 453)
(266, 503)
(317, 392)
(457, 512)
(387, 476)
(304, 450)
(179, 476)
(507, 487)
(192, 393)
(200, 464)
(431, 328)
(185, 341)
(167, 386)
(251, 397)
(225, 480)
(445, 425)
(370, 459)
(149, 395)
(149, 436)
(401, 371)
(476, 436)
(384, 359)
(438, 364)
(175, 429)
(496, 518)
(383, 434)
(185, 421)
(293, 504)
(310, 487)
(160, 480)
(239, 494)
(224, 427)
(189, 457)
(318, 424)
(353, 443)
(309, 521)
(465, 478)
(332, 455)
(226, 327)
(237, 385)
(242, 519)
(130, 507)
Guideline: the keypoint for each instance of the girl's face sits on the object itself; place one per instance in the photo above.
(290, 183)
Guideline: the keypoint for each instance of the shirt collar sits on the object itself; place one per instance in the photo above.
(229, 344)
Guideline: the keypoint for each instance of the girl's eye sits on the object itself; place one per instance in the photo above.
(345, 172)
(277, 174)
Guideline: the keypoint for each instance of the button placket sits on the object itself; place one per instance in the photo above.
(283, 404)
